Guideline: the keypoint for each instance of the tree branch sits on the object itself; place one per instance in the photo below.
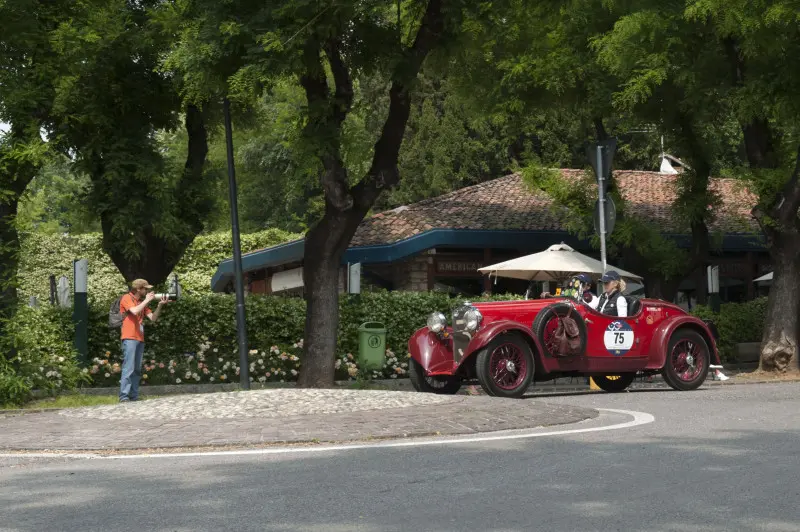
(325, 118)
(383, 172)
(343, 97)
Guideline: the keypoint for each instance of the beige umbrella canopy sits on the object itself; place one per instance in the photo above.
(556, 263)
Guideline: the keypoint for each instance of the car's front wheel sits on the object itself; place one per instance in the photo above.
(614, 383)
(505, 367)
(441, 384)
(687, 361)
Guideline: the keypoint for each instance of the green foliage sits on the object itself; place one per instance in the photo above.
(45, 255)
(44, 357)
(56, 201)
(14, 389)
(574, 201)
(736, 323)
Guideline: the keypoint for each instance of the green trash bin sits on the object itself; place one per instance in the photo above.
(371, 345)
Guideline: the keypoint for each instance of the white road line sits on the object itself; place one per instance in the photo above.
(639, 418)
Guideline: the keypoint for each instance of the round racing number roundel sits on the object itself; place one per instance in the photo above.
(618, 338)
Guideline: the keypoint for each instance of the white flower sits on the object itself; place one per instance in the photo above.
(188, 375)
(262, 379)
(393, 376)
(108, 375)
(216, 350)
(254, 351)
(177, 381)
(61, 359)
(294, 372)
(211, 379)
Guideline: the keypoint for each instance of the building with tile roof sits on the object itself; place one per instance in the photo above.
(440, 242)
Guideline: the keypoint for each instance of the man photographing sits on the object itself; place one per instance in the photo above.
(133, 306)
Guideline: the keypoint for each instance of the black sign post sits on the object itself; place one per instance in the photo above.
(601, 155)
(241, 326)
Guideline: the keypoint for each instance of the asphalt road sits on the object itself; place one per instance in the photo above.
(726, 458)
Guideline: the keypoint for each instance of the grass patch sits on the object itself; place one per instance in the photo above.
(71, 401)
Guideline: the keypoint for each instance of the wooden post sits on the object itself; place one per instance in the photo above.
(751, 270)
(487, 279)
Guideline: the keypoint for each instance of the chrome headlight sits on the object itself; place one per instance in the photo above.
(472, 319)
(437, 322)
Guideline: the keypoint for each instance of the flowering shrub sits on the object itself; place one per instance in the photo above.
(42, 354)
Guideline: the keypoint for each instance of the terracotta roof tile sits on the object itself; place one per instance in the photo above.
(508, 204)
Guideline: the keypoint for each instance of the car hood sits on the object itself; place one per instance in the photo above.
(505, 309)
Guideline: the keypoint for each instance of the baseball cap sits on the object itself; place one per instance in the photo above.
(610, 275)
(140, 283)
(584, 278)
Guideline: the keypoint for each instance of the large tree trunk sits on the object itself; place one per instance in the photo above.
(782, 324)
(158, 255)
(345, 205)
(779, 218)
(325, 246)
(780, 221)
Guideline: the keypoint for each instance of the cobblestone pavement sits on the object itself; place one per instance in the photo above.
(258, 404)
(276, 416)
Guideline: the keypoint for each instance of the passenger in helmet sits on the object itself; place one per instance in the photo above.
(578, 288)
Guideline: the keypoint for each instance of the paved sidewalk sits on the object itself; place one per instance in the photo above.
(275, 416)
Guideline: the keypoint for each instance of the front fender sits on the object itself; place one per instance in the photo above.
(659, 342)
(488, 333)
(432, 352)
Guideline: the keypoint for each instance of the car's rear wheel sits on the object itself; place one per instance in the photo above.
(614, 383)
(687, 360)
(505, 367)
(441, 384)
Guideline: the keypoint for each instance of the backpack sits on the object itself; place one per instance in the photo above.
(115, 317)
(567, 336)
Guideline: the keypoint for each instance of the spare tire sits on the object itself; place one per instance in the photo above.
(546, 322)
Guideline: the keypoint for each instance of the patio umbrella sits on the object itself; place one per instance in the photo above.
(556, 263)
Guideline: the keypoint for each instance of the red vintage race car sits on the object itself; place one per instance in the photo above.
(507, 345)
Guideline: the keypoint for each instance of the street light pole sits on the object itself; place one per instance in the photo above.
(244, 364)
(602, 206)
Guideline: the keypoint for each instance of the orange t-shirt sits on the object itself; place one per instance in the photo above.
(132, 325)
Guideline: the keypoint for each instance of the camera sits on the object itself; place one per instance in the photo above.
(170, 297)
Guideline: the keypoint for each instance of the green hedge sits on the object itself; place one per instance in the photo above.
(737, 323)
(45, 255)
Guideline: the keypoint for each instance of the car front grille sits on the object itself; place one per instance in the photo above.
(461, 336)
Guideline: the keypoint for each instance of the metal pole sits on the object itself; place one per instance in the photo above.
(602, 198)
(244, 364)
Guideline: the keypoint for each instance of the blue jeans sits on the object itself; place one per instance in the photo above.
(132, 351)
